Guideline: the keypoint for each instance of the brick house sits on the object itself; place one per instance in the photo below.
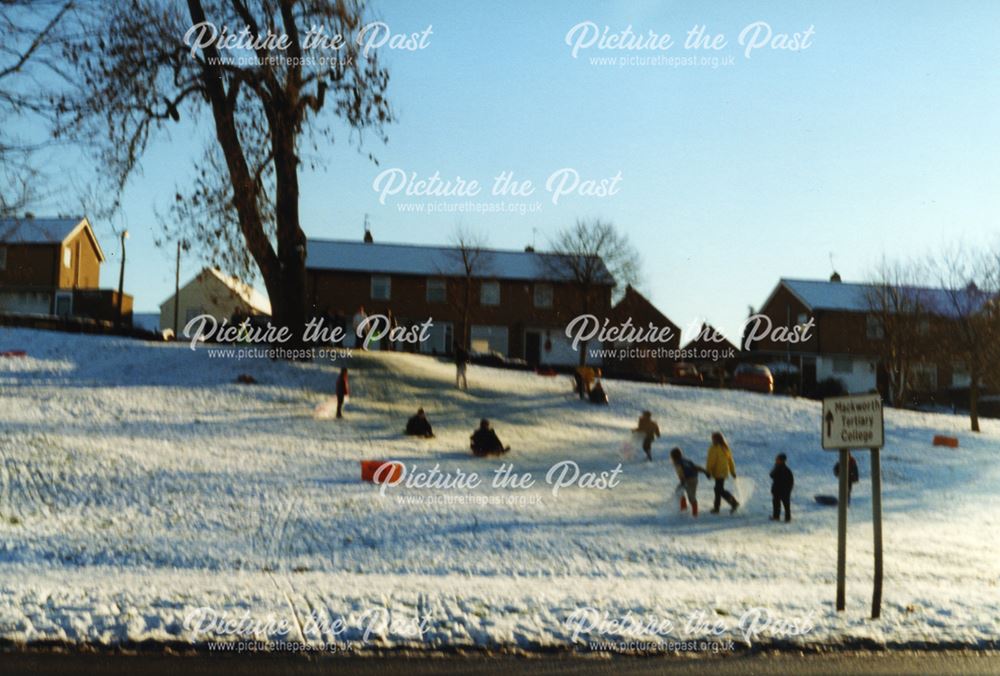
(844, 342)
(52, 266)
(644, 359)
(521, 301)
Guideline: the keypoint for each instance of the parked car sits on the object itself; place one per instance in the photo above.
(713, 375)
(686, 374)
(753, 377)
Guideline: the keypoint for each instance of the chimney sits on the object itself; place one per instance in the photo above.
(835, 277)
(368, 231)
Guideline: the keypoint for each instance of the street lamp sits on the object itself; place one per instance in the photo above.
(121, 279)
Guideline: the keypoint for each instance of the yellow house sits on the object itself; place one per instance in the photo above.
(213, 293)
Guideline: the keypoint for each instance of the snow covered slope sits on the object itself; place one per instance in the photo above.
(140, 483)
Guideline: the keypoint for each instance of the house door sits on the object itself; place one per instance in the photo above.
(532, 347)
(64, 304)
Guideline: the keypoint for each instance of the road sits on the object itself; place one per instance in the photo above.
(757, 665)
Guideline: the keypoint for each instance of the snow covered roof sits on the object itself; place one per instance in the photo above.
(430, 260)
(853, 297)
(44, 230)
(254, 298)
(251, 296)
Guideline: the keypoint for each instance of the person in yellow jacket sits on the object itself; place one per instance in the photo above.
(720, 466)
(649, 430)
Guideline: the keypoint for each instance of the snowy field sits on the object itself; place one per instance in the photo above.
(144, 493)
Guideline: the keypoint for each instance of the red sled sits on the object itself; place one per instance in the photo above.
(371, 470)
(941, 440)
(14, 353)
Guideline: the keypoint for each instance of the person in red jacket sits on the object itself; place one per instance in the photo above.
(343, 389)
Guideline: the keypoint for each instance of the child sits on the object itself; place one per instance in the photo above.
(721, 466)
(687, 472)
(852, 474)
(650, 429)
(419, 425)
(484, 441)
(598, 395)
(782, 481)
(343, 391)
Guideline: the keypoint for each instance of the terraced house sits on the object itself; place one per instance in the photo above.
(519, 301)
(847, 341)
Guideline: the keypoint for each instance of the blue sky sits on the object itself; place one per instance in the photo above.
(880, 138)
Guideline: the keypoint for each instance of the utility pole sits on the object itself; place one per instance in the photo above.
(121, 280)
(177, 287)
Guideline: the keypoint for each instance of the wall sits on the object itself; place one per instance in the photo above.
(30, 265)
(205, 294)
(29, 302)
(102, 304)
(84, 271)
(861, 378)
(342, 293)
(784, 305)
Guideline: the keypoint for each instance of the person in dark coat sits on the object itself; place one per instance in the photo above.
(598, 395)
(343, 390)
(461, 368)
(852, 474)
(419, 425)
(687, 472)
(485, 441)
(782, 481)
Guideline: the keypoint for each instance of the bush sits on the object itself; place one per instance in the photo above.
(830, 387)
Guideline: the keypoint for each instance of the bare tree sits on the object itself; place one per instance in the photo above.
(143, 74)
(970, 284)
(32, 31)
(899, 319)
(472, 260)
(592, 255)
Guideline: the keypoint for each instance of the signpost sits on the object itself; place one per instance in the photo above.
(855, 422)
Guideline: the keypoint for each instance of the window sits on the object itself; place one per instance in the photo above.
(489, 293)
(923, 327)
(843, 365)
(64, 304)
(67, 257)
(543, 295)
(802, 318)
(874, 329)
(381, 287)
(960, 375)
(923, 377)
(3, 258)
(436, 291)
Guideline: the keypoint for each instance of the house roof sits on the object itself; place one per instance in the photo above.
(45, 231)
(633, 298)
(853, 297)
(254, 298)
(248, 294)
(431, 260)
(704, 339)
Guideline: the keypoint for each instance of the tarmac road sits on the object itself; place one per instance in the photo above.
(761, 664)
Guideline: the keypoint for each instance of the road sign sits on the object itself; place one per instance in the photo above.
(853, 421)
(856, 422)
